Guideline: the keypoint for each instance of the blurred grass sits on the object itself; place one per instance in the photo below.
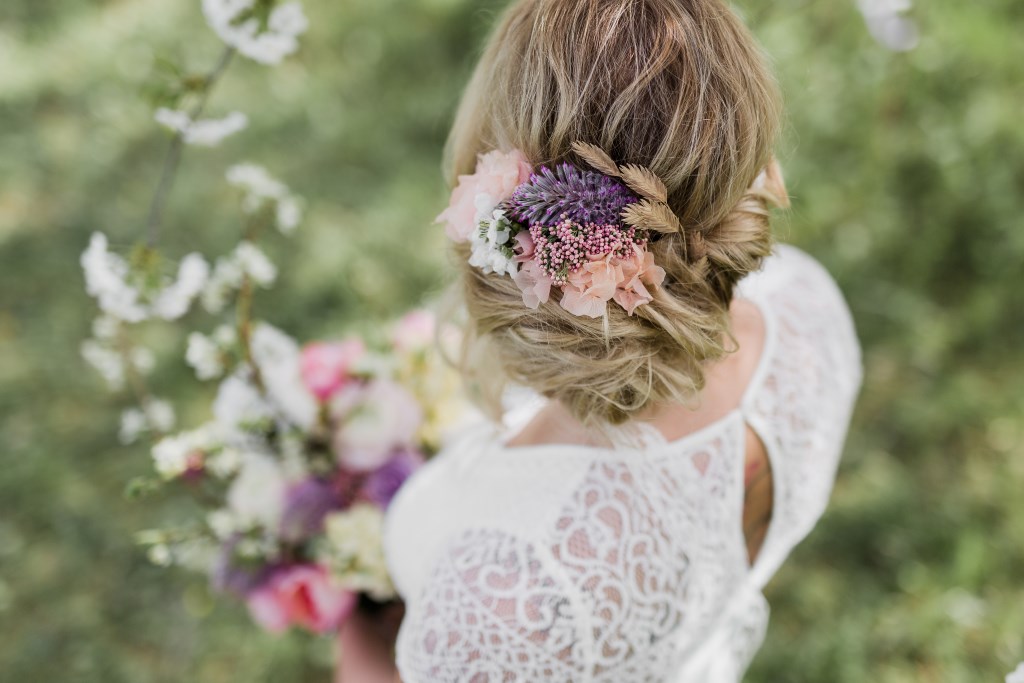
(908, 179)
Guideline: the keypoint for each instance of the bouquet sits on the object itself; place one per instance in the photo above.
(305, 446)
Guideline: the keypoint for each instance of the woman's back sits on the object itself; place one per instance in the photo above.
(628, 563)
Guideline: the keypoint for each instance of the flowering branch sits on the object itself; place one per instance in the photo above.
(173, 157)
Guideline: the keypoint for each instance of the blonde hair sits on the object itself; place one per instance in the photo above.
(678, 86)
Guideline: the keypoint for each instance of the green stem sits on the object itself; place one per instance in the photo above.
(173, 158)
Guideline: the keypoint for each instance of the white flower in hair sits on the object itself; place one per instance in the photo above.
(491, 243)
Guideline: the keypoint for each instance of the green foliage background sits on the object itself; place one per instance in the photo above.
(907, 172)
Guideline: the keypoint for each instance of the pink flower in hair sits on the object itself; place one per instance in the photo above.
(326, 367)
(638, 272)
(497, 176)
(591, 287)
(301, 595)
(526, 245)
(533, 282)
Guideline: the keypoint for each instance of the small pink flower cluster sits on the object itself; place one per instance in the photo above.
(566, 246)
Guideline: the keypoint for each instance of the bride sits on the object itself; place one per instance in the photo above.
(685, 384)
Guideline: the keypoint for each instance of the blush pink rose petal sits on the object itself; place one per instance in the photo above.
(302, 595)
(326, 366)
(497, 175)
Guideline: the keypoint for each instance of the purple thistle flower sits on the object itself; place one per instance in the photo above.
(582, 196)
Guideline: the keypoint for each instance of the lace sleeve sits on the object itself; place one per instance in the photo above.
(802, 402)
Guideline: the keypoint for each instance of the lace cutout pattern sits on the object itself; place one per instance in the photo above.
(634, 569)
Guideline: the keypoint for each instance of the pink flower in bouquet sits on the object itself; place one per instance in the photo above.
(638, 272)
(327, 366)
(385, 418)
(414, 331)
(497, 175)
(300, 595)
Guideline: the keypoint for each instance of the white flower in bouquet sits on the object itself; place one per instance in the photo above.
(377, 420)
(239, 405)
(257, 495)
(1017, 675)
(354, 551)
(156, 416)
(225, 462)
(278, 357)
(175, 455)
(204, 356)
(108, 276)
(254, 263)
(203, 132)
(232, 21)
(105, 280)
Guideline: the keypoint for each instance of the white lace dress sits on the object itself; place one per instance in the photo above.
(573, 563)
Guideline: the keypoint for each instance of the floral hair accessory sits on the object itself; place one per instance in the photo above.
(584, 232)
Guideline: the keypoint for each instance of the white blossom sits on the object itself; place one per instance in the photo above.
(105, 280)
(268, 45)
(256, 496)
(159, 555)
(238, 403)
(222, 523)
(142, 359)
(133, 424)
(1017, 675)
(204, 356)
(106, 361)
(278, 357)
(159, 414)
(226, 278)
(202, 132)
(225, 462)
(289, 214)
(173, 455)
(174, 300)
(491, 244)
(260, 188)
(888, 24)
(105, 327)
(254, 263)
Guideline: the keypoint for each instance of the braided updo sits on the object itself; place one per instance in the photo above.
(677, 86)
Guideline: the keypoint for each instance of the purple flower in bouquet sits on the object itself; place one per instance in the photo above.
(581, 196)
(235, 575)
(381, 485)
(306, 505)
